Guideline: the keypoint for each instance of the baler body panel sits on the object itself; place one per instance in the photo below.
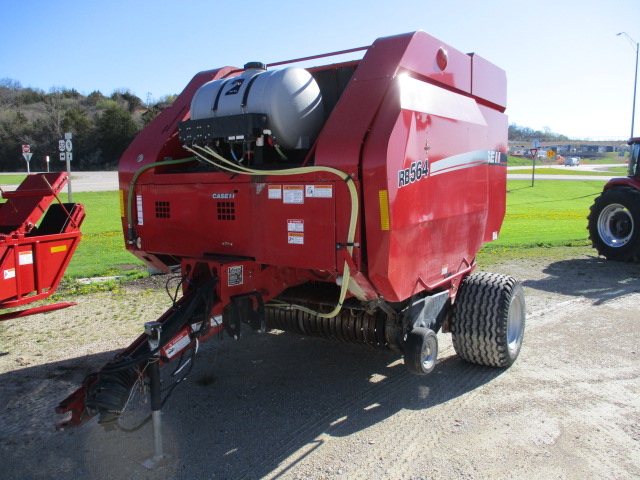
(288, 222)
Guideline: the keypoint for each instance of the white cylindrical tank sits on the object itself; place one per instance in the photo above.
(290, 98)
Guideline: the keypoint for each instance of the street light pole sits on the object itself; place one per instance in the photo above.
(635, 81)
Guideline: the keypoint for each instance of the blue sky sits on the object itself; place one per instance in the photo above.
(566, 68)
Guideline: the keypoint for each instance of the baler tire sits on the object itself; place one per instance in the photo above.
(488, 319)
(614, 224)
(421, 351)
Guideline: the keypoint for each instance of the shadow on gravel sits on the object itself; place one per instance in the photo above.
(593, 278)
(244, 409)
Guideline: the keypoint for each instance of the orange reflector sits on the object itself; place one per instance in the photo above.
(121, 203)
(384, 209)
(59, 248)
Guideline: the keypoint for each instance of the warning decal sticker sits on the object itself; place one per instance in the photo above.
(25, 258)
(275, 192)
(295, 225)
(9, 273)
(293, 194)
(176, 345)
(139, 209)
(319, 191)
(296, 238)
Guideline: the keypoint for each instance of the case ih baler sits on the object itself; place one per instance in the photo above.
(346, 201)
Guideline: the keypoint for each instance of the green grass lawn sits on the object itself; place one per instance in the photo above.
(550, 214)
(12, 179)
(553, 212)
(101, 251)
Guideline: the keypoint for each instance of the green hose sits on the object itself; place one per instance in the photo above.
(131, 232)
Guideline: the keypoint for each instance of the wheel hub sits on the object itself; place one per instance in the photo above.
(515, 325)
(615, 225)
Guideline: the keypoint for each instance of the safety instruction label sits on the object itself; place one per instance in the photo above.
(296, 238)
(139, 209)
(25, 258)
(176, 345)
(295, 225)
(293, 194)
(274, 192)
(319, 191)
(9, 273)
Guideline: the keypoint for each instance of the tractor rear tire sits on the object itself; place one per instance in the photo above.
(421, 351)
(488, 319)
(614, 224)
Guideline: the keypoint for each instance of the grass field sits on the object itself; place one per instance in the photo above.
(11, 179)
(550, 214)
(101, 251)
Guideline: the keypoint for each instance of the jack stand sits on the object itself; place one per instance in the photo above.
(154, 329)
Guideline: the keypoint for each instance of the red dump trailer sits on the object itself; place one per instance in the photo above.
(38, 235)
(347, 201)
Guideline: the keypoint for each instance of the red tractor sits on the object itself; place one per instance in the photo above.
(346, 201)
(614, 220)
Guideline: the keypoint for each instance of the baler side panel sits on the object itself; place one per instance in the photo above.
(159, 139)
(437, 220)
(288, 223)
(488, 82)
(434, 223)
(195, 219)
(298, 231)
(497, 125)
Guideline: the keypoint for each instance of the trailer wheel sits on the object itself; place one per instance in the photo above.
(421, 351)
(488, 319)
(614, 224)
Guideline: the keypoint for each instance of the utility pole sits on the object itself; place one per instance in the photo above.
(635, 46)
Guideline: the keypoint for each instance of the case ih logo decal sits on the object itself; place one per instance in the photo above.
(417, 171)
(224, 196)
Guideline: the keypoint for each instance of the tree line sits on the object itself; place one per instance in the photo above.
(102, 126)
(527, 134)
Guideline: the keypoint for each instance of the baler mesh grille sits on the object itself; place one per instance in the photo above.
(163, 210)
(226, 211)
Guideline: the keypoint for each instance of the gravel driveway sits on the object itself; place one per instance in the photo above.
(280, 406)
